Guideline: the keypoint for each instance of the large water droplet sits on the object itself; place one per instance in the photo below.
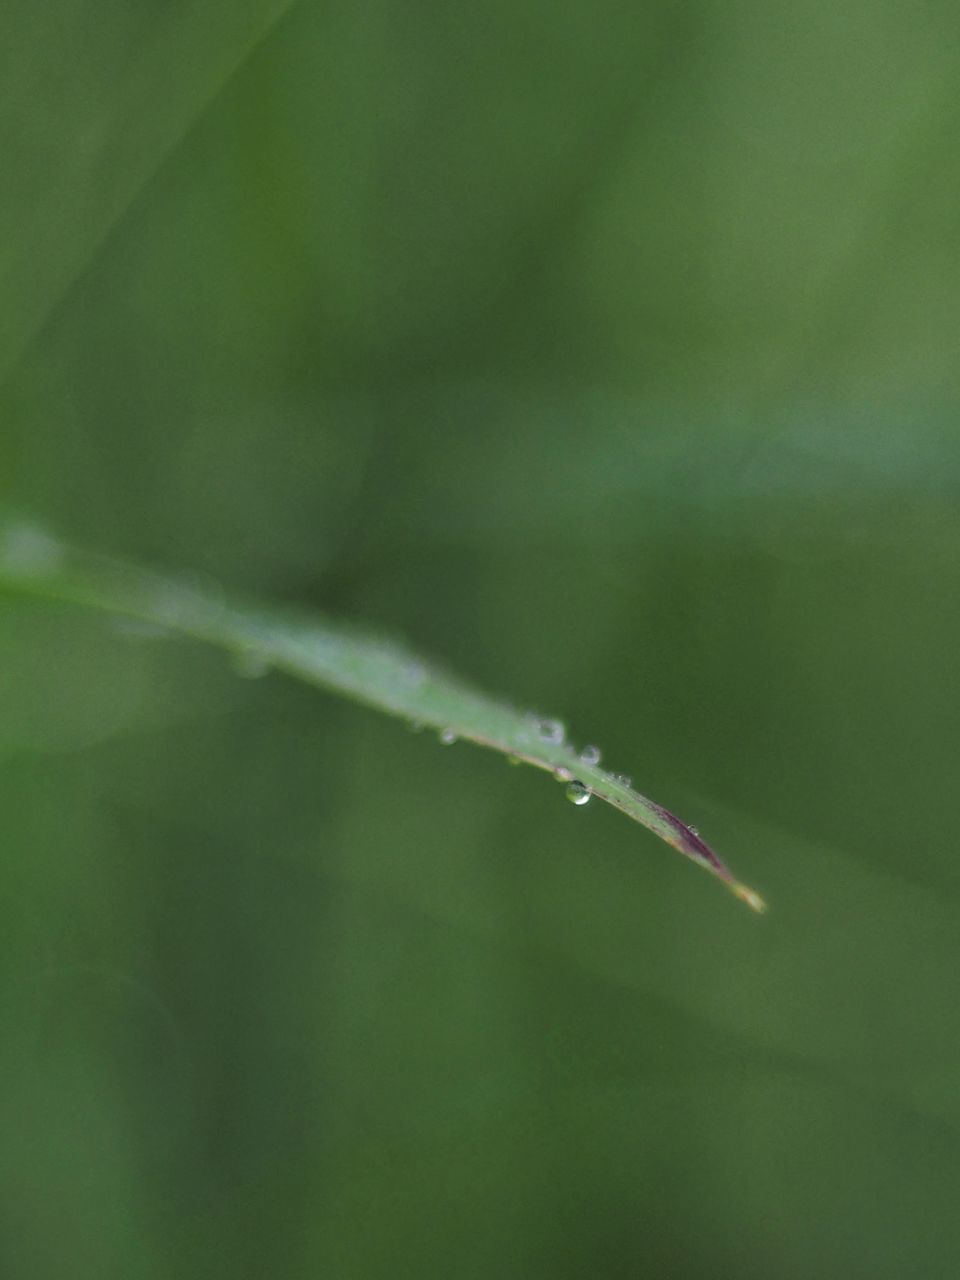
(578, 792)
(590, 755)
(447, 736)
(551, 731)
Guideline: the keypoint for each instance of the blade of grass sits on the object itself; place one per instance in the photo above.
(380, 672)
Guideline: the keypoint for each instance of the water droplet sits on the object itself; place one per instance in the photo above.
(251, 665)
(590, 755)
(551, 731)
(695, 830)
(623, 778)
(447, 737)
(562, 774)
(578, 793)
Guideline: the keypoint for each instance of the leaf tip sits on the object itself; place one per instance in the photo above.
(749, 896)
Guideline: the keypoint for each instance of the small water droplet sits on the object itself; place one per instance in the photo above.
(251, 665)
(562, 774)
(578, 793)
(623, 778)
(447, 736)
(695, 830)
(551, 731)
(590, 755)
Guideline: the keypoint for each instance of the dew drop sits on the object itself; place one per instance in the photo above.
(624, 779)
(578, 793)
(447, 737)
(562, 774)
(551, 731)
(590, 755)
(250, 665)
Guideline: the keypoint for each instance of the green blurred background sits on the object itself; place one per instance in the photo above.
(608, 352)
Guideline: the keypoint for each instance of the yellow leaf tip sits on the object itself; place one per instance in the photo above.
(749, 896)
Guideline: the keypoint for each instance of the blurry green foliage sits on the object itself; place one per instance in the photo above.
(607, 351)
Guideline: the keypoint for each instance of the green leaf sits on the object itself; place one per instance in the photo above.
(380, 672)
